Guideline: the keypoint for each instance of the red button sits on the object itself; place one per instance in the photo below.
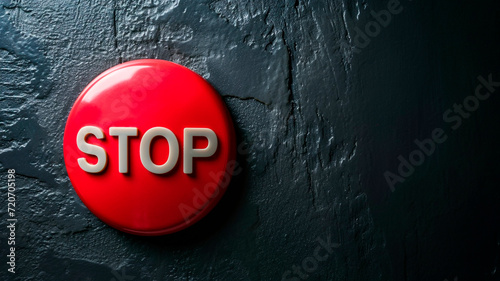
(149, 147)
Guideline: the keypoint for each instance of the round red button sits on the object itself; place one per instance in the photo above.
(149, 147)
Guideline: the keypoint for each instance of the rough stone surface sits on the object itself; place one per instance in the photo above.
(323, 116)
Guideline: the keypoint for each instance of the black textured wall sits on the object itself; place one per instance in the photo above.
(327, 99)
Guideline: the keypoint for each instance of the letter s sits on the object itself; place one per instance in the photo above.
(91, 149)
(454, 118)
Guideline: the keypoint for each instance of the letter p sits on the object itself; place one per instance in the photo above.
(190, 152)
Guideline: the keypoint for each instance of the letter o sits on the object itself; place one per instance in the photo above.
(467, 103)
(420, 160)
(145, 153)
(309, 264)
(369, 30)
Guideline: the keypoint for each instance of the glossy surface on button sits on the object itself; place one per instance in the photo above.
(147, 94)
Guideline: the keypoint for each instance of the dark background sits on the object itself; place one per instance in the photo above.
(323, 118)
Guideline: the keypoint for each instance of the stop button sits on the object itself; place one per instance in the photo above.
(149, 147)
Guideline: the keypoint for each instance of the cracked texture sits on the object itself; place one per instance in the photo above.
(322, 123)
